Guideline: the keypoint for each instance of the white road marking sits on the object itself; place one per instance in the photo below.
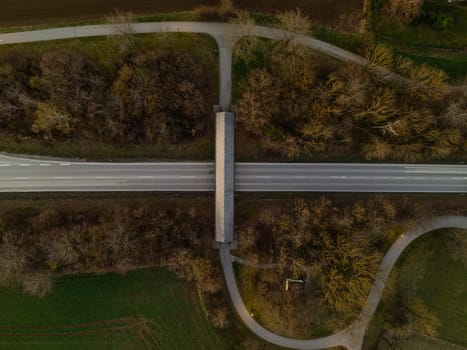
(103, 177)
(263, 177)
(5, 164)
(62, 177)
(22, 164)
(145, 177)
(64, 164)
(186, 177)
(44, 164)
(21, 178)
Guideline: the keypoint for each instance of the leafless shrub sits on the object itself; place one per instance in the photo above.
(122, 22)
(226, 7)
(458, 245)
(295, 21)
(219, 317)
(380, 56)
(38, 284)
(61, 251)
(13, 259)
(455, 114)
(404, 10)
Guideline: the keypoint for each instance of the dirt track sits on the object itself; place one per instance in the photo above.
(27, 12)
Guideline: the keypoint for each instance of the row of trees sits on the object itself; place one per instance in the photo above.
(68, 237)
(334, 244)
(303, 106)
(150, 96)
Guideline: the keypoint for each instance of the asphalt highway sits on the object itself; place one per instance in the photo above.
(36, 175)
(350, 177)
(31, 175)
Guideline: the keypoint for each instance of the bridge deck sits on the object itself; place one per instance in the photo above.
(225, 176)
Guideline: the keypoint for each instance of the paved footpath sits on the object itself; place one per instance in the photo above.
(225, 34)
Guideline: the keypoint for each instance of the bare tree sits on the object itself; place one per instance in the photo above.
(37, 284)
(13, 258)
(404, 10)
(50, 120)
(295, 21)
(124, 37)
(380, 56)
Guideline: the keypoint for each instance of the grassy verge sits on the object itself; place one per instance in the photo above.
(111, 311)
(423, 36)
(427, 269)
(444, 48)
(201, 149)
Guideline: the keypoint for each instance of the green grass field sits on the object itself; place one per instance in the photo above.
(145, 309)
(428, 270)
(420, 342)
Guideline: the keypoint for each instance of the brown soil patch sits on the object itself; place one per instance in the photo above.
(336, 13)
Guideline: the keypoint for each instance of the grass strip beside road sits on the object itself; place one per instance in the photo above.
(199, 150)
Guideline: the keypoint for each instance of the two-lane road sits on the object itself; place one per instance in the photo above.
(35, 175)
(30, 175)
(350, 177)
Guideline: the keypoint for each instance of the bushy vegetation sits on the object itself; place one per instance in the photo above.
(404, 10)
(302, 107)
(335, 245)
(141, 96)
(50, 239)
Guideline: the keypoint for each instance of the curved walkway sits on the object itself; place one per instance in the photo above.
(225, 34)
(351, 337)
(245, 262)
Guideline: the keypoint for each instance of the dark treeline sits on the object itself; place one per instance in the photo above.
(305, 106)
(149, 96)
